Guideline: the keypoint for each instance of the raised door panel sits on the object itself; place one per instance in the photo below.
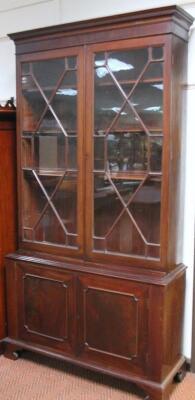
(50, 133)
(46, 305)
(127, 143)
(113, 322)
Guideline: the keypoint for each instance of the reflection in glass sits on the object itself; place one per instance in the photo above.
(108, 102)
(49, 142)
(49, 183)
(157, 53)
(44, 233)
(65, 201)
(127, 151)
(49, 150)
(33, 199)
(100, 59)
(127, 64)
(156, 154)
(99, 145)
(149, 100)
(72, 153)
(47, 73)
(125, 188)
(125, 238)
(64, 103)
(154, 71)
(107, 205)
(27, 234)
(33, 104)
(49, 123)
(145, 209)
(72, 62)
(128, 119)
(25, 68)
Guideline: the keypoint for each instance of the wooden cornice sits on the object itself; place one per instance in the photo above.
(164, 20)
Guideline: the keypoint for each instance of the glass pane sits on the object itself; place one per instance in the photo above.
(125, 188)
(153, 72)
(33, 104)
(65, 201)
(72, 62)
(145, 209)
(72, 153)
(44, 233)
(71, 240)
(27, 234)
(153, 251)
(49, 123)
(99, 148)
(64, 103)
(108, 101)
(49, 151)
(49, 183)
(100, 59)
(128, 120)
(125, 238)
(157, 53)
(34, 200)
(107, 205)
(127, 64)
(148, 98)
(25, 68)
(127, 151)
(47, 73)
(99, 244)
(156, 153)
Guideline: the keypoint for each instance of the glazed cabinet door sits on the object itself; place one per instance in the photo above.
(50, 143)
(113, 323)
(41, 306)
(126, 132)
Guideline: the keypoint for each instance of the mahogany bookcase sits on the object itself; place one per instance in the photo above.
(98, 278)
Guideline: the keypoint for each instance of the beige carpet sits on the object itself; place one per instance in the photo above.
(34, 377)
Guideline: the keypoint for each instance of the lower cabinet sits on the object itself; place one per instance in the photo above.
(95, 318)
(123, 327)
(45, 307)
(113, 322)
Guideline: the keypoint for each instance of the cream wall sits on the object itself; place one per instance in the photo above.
(17, 15)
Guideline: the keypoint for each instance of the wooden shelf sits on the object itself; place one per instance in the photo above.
(29, 135)
(132, 81)
(49, 172)
(130, 130)
(128, 175)
(30, 89)
(73, 86)
(137, 175)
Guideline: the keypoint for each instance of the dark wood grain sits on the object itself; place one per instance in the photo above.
(7, 200)
(116, 309)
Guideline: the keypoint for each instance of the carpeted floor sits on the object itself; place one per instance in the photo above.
(34, 377)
